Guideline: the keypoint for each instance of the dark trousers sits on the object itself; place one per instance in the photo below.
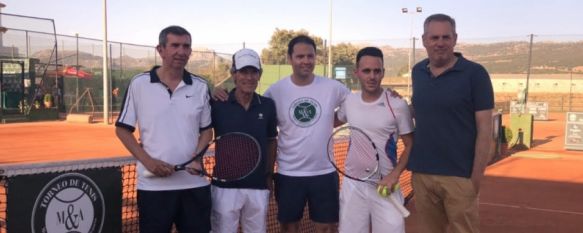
(188, 209)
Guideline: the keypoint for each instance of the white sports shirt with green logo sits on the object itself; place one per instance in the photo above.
(305, 116)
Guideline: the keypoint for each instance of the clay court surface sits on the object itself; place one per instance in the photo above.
(535, 191)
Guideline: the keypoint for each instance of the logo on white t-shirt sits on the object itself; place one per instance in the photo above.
(305, 111)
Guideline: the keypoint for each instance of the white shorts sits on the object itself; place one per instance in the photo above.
(361, 205)
(231, 204)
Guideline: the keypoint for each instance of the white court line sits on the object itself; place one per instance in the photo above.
(531, 208)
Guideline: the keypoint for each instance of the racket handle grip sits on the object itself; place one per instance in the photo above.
(148, 174)
(399, 206)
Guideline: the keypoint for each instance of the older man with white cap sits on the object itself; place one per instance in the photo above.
(245, 111)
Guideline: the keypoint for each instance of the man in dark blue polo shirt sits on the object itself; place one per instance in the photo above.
(248, 112)
(452, 102)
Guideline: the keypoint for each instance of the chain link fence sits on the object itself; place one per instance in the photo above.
(551, 66)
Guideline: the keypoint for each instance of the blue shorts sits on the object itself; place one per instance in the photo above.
(320, 192)
(189, 209)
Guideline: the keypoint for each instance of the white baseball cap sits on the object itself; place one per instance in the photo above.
(244, 58)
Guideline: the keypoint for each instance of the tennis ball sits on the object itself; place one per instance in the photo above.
(383, 191)
(396, 187)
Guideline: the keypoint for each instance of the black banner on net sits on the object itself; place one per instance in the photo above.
(87, 201)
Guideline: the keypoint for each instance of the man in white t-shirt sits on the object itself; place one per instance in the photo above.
(171, 109)
(383, 118)
(305, 106)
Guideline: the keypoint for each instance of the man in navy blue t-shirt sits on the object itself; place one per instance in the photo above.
(452, 102)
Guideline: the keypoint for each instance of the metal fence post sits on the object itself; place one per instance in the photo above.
(27, 44)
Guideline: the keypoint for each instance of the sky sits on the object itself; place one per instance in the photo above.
(227, 24)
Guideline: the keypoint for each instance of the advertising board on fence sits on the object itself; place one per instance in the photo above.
(574, 131)
(85, 201)
(539, 110)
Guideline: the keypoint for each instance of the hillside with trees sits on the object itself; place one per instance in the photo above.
(500, 57)
(512, 57)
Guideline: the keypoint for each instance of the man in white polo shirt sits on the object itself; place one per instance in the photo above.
(172, 111)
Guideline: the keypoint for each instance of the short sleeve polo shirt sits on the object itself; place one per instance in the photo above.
(445, 106)
(259, 121)
(169, 124)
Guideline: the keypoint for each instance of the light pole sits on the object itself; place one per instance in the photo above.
(2, 29)
(106, 92)
(330, 43)
(77, 72)
(571, 88)
(418, 10)
(528, 69)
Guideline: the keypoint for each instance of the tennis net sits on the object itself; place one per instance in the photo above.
(127, 167)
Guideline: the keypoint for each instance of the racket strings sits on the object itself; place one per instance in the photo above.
(357, 157)
(361, 161)
(235, 157)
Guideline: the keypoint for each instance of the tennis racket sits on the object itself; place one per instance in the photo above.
(236, 156)
(354, 155)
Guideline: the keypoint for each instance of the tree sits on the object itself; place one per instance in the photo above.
(277, 51)
(344, 54)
